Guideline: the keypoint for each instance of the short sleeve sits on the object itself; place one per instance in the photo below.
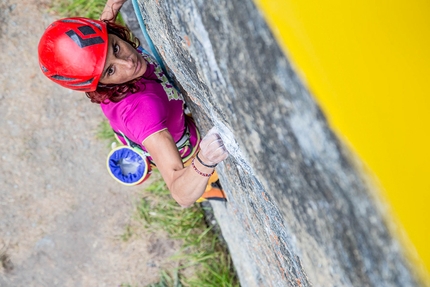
(146, 115)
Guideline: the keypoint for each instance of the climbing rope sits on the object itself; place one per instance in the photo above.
(148, 39)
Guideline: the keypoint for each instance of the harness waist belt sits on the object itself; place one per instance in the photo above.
(181, 143)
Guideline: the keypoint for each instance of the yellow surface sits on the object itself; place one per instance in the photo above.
(368, 64)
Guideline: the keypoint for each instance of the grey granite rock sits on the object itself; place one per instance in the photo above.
(300, 212)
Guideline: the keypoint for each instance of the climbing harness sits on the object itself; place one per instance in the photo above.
(183, 142)
(130, 164)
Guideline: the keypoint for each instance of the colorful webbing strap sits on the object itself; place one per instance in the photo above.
(180, 144)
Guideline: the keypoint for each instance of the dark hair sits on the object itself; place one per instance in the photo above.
(116, 92)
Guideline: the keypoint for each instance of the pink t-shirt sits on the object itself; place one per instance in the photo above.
(155, 107)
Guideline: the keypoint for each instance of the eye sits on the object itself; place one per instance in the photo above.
(110, 71)
(115, 49)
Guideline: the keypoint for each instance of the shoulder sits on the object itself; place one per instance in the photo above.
(142, 107)
(141, 97)
(144, 100)
(134, 105)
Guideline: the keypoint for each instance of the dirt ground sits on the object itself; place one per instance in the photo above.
(61, 215)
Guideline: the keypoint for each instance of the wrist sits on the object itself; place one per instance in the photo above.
(200, 169)
(205, 162)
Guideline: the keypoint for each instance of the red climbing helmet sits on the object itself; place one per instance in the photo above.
(72, 52)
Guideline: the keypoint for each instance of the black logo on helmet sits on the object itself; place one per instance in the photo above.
(85, 30)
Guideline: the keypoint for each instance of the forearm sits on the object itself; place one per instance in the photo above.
(189, 185)
(111, 10)
(185, 184)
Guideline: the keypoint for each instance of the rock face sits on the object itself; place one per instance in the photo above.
(299, 213)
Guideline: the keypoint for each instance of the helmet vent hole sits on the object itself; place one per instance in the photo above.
(86, 30)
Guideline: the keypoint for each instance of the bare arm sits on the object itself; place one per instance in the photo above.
(111, 10)
(185, 184)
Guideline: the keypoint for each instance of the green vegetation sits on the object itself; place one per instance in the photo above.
(201, 247)
(81, 8)
(157, 211)
(167, 280)
(105, 132)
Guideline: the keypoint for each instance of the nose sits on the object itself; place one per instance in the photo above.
(125, 62)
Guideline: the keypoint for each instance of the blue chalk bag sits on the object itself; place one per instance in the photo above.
(128, 166)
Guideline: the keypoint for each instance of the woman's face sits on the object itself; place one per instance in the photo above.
(123, 62)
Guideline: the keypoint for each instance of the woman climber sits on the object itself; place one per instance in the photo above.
(101, 59)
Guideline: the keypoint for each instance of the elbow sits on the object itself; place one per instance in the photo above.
(180, 198)
(182, 202)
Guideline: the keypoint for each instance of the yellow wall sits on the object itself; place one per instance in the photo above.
(368, 64)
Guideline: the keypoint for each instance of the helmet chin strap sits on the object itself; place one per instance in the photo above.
(100, 85)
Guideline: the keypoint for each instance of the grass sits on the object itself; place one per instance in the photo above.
(167, 280)
(157, 211)
(81, 8)
(105, 132)
(201, 248)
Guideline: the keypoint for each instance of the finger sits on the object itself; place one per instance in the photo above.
(217, 158)
(213, 130)
(215, 144)
(214, 148)
(208, 139)
(216, 155)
